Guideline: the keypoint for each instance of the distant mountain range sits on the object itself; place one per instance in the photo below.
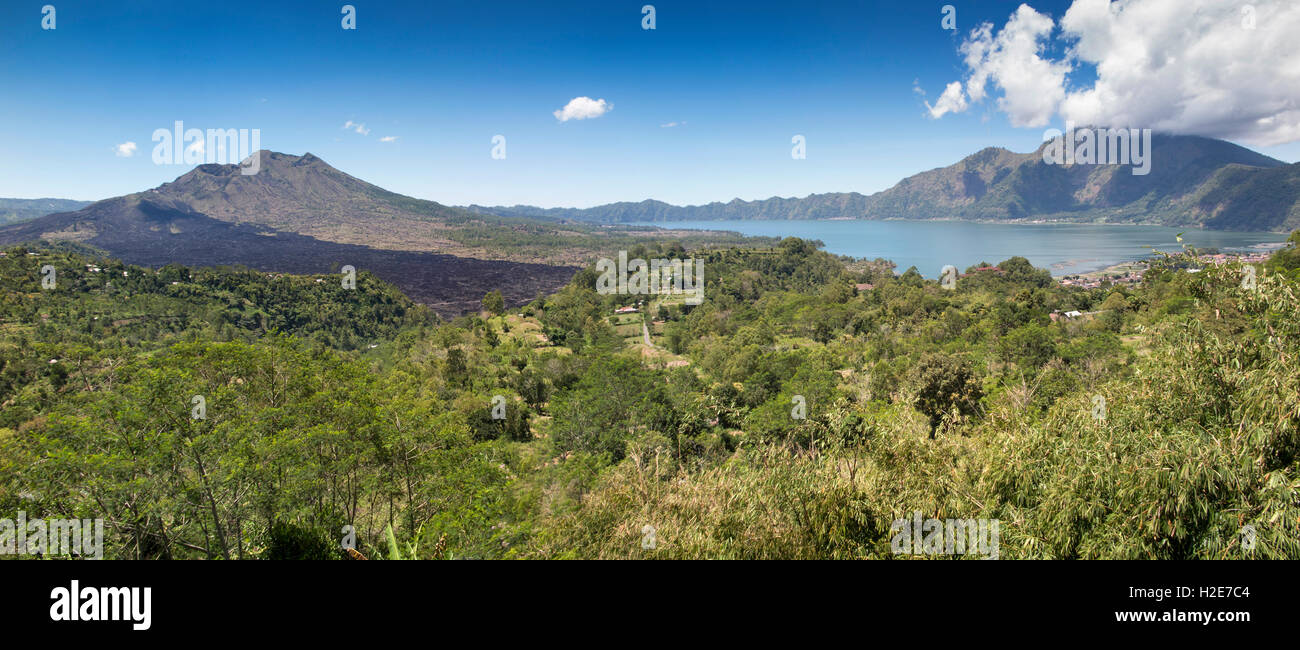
(16, 210)
(1193, 181)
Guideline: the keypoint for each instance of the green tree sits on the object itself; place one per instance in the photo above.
(1028, 345)
(1287, 260)
(615, 397)
(946, 387)
(494, 303)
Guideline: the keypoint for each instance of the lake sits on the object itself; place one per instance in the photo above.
(1064, 249)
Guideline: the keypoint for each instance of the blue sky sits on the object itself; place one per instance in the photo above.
(442, 78)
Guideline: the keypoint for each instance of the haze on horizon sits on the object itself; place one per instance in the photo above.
(595, 109)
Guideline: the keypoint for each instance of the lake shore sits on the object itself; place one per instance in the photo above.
(1064, 249)
(1133, 272)
(1012, 222)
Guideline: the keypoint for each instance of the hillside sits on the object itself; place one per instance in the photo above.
(16, 210)
(1194, 181)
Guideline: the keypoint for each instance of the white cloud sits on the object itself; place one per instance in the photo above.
(356, 126)
(672, 124)
(125, 150)
(1032, 86)
(582, 108)
(388, 138)
(1178, 66)
(1189, 66)
(195, 147)
(951, 101)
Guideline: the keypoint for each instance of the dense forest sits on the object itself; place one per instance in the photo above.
(806, 404)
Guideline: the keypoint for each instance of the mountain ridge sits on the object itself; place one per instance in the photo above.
(1194, 181)
(19, 210)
